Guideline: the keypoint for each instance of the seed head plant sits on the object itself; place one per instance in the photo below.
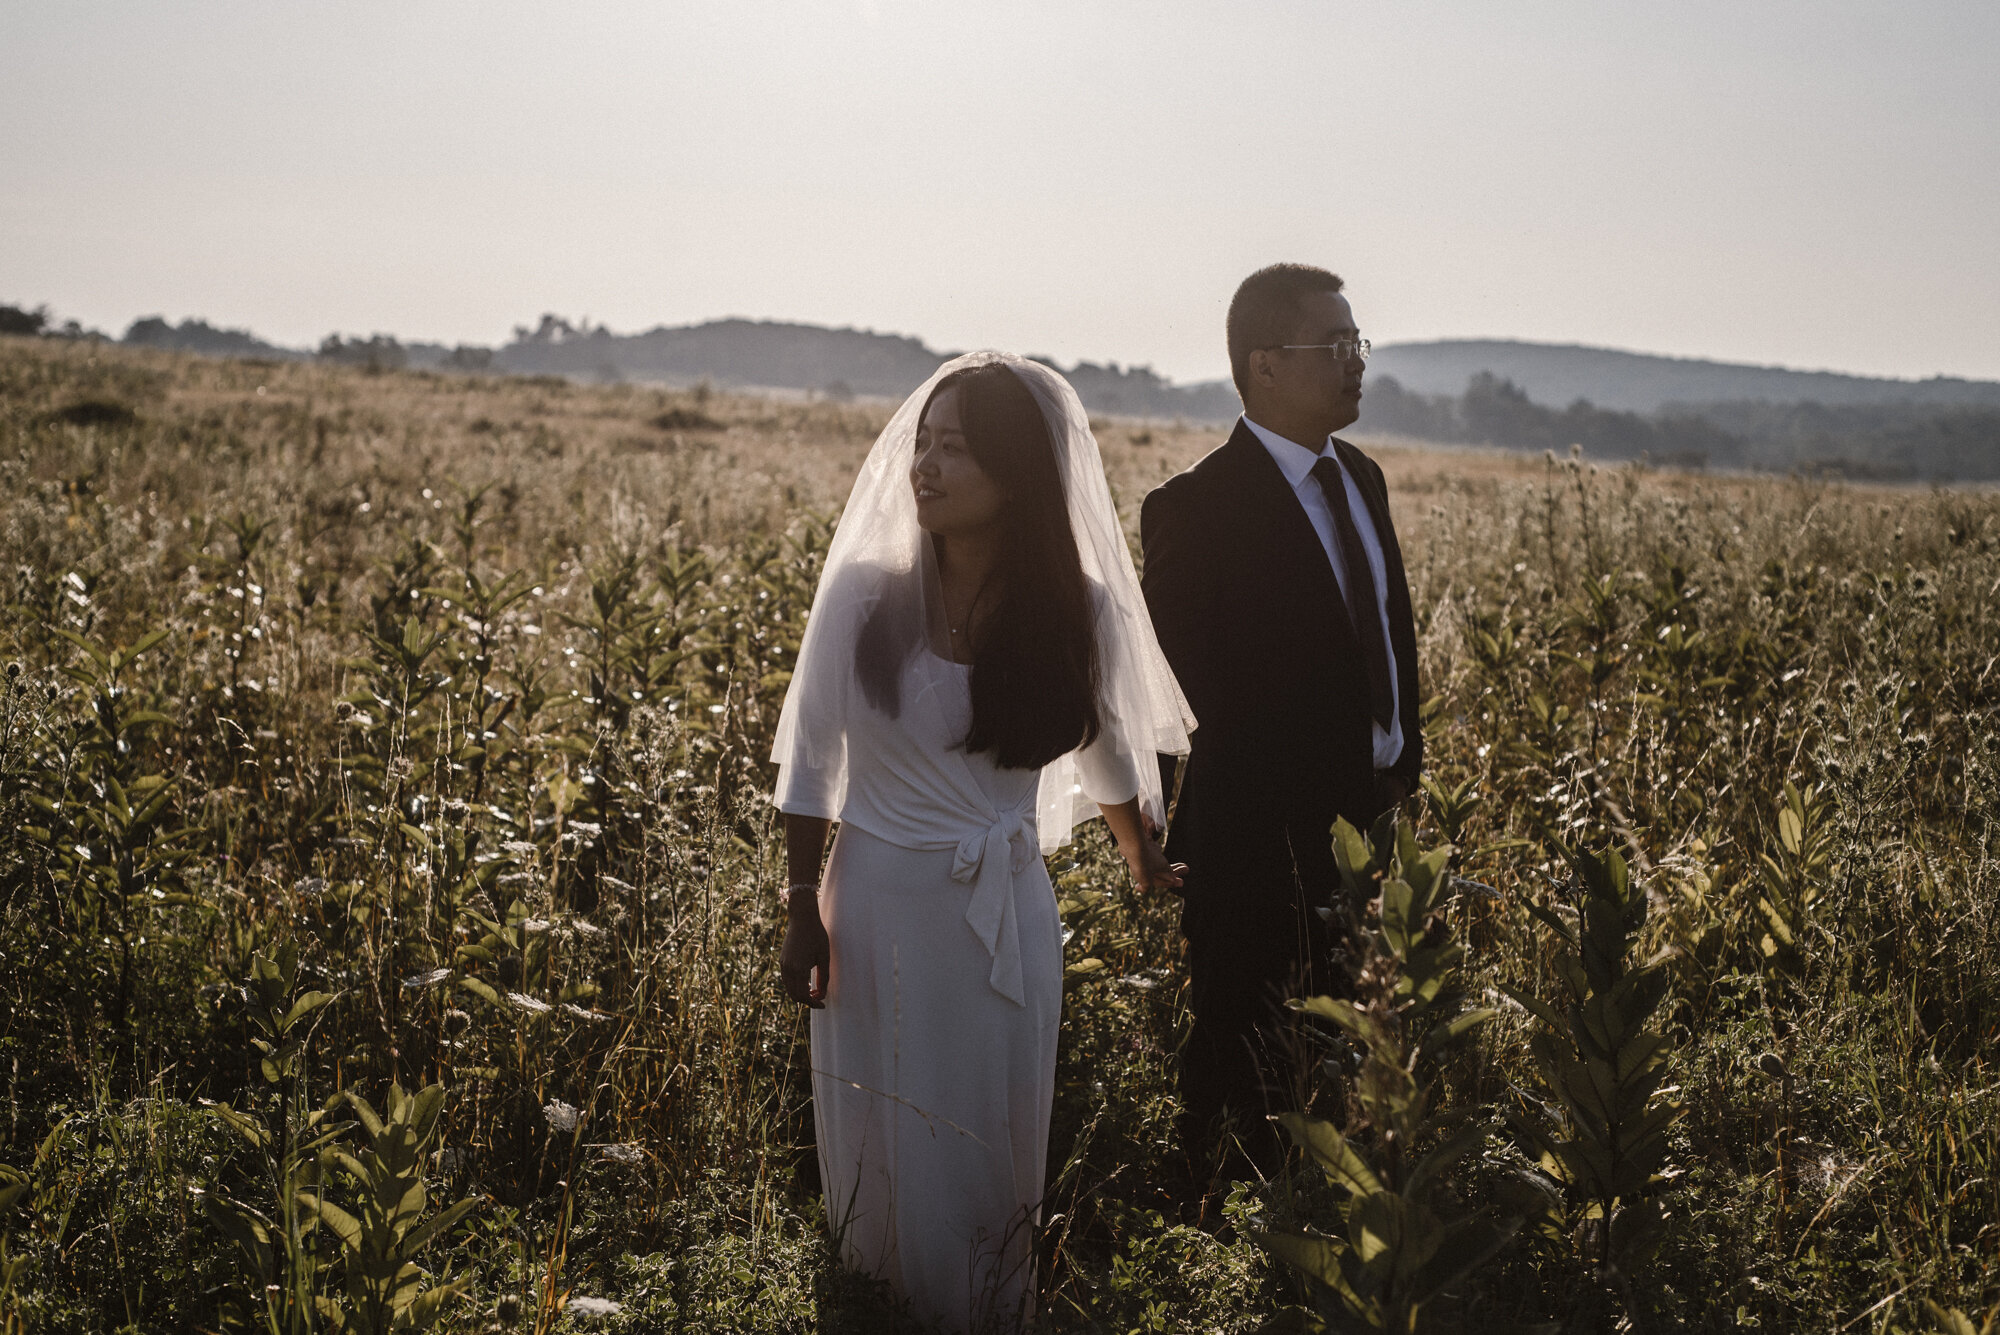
(448, 695)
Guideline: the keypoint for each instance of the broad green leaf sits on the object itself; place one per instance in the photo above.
(422, 1109)
(1538, 1008)
(247, 1228)
(407, 1208)
(1344, 1014)
(338, 1221)
(1951, 1321)
(304, 1006)
(1351, 852)
(365, 1111)
(1397, 927)
(242, 1124)
(1459, 1026)
(423, 1311)
(1791, 830)
(1377, 1226)
(438, 1224)
(351, 1164)
(1331, 1151)
(1316, 1257)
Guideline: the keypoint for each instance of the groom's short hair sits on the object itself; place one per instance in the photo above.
(1265, 311)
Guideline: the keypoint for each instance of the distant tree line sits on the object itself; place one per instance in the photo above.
(152, 331)
(1890, 441)
(36, 322)
(1882, 441)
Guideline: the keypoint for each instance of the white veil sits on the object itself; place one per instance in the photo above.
(877, 556)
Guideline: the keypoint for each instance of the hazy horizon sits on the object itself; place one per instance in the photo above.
(1808, 185)
(117, 329)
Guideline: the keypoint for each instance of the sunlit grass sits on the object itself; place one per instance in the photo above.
(461, 687)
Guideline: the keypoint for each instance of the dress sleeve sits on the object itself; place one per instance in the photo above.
(810, 747)
(807, 789)
(1107, 770)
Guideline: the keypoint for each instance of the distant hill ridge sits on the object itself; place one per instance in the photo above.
(1557, 374)
(783, 355)
(1509, 393)
(836, 362)
(736, 353)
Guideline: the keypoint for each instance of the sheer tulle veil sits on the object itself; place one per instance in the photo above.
(879, 569)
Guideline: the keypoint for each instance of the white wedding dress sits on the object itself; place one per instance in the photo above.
(934, 1059)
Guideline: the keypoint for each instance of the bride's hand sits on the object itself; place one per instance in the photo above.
(1150, 868)
(804, 960)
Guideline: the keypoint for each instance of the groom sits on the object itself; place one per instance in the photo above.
(1277, 589)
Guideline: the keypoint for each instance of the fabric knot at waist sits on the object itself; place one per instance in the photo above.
(988, 861)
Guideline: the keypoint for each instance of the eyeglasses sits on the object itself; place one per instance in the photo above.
(1343, 349)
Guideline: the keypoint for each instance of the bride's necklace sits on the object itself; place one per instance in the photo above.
(958, 621)
(963, 619)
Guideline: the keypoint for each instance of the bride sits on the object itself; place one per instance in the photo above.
(978, 676)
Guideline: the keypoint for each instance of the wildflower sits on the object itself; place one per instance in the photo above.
(532, 1005)
(562, 1117)
(583, 1306)
(625, 1156)
(456, 1021)
(431, 978)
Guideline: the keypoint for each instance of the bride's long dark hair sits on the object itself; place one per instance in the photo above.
(1035, 668)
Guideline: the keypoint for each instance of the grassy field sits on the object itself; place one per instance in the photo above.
(364, 734)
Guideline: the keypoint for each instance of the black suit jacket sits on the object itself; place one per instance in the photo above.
(1249, 612)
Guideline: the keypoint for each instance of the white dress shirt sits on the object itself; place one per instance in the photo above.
(1296, 462)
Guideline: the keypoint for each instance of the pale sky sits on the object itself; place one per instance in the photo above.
(1813, 183)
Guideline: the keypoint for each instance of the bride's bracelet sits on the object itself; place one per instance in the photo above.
(785, 895)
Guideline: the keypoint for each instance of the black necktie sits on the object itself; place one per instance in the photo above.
(1364, 603)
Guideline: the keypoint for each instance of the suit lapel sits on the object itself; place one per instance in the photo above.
(1299, 559)
(1364, 478)
(1376, 494)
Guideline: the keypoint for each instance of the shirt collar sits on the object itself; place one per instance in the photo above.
(1294, 460)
